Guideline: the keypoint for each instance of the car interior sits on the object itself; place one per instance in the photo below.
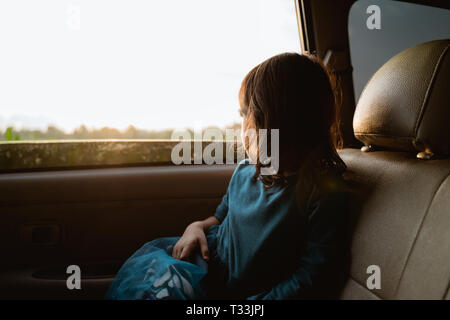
(396, 147)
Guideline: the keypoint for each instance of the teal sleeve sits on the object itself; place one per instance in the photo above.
(222, 208)
(322, 266)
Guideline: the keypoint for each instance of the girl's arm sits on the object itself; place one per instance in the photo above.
(208, 222)
(323, 265)
(219, 215)
(194, 236)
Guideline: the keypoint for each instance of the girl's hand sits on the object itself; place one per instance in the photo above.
(192, 239)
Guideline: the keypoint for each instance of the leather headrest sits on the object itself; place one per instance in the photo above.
(405, 105)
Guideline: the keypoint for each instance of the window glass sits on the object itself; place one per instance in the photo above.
(379, 29)
(131, 68)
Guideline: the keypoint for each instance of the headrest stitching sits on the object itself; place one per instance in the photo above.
(427, 93)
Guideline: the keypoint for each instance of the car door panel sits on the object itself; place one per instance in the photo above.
(94, 218)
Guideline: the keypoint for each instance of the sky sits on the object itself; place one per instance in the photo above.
(152, 64)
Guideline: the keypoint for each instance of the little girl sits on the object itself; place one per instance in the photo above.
(279, 236)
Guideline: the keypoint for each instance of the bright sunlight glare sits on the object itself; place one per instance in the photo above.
(151, 64)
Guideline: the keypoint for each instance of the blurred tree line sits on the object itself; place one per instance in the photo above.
(53, 133)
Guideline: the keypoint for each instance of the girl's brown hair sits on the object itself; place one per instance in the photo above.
(295, 94)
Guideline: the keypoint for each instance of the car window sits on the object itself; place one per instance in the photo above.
(74, 73)
(379, 29)
(99, 69)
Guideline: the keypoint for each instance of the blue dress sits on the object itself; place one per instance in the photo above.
(267, 246)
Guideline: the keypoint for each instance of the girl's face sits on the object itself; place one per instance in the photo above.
(249, 139)
(248, 131)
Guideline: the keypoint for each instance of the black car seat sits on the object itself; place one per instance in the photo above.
(400, 178)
